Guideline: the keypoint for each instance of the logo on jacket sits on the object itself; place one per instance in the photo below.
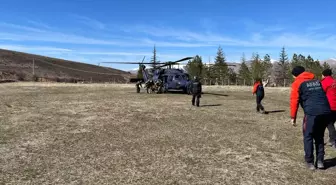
(315, 85)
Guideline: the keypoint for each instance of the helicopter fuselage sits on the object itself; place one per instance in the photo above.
(172, 79)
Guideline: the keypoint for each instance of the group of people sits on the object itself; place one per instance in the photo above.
(318, 100)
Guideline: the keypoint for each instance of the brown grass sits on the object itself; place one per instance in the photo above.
(108, 134)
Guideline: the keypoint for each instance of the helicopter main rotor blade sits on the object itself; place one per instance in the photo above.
(161, 64)
(175, 62)
(183, 59)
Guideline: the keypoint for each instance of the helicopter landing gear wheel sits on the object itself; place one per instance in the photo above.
(160, 90)
(188, 90)
(185, 91)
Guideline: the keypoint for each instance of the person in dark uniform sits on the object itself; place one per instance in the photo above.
(308, 92)
(138, 85)
(196, 91)
(258, 89)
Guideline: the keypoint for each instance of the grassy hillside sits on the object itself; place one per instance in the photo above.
(19, 66)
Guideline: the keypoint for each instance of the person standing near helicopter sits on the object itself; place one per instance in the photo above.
(138, 85)
(196, 91)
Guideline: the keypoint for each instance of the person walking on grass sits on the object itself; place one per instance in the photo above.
(196, 91)
(308, 92)
(329, 87)
(258, 89)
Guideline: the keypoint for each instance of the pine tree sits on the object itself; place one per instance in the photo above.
(220, 67)
(317, 69)
(154, 58)
(309, 63)
(140, 75)
(301, 60)
(283, 67)
(294, 62)
(256, 67)
(232, 75)
(325, 66)
(267, 66)
(244, 72)
(195, 66)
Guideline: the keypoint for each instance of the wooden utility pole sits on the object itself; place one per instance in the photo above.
(33, 66)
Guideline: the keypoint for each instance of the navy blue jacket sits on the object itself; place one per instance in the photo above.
(309, 93)
(196, 87)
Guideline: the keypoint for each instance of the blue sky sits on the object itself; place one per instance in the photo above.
(126, 30)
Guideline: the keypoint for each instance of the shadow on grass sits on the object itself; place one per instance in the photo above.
(330, 163)
(274, 111)
(211, 105)
(216, 94)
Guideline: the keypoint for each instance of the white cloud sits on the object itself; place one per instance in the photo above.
(268, 37)
(33, 48)
(137, 54)
(182, 38)
(89, 21)
(257, 39)
(39, 24)
(57, 38)
(15, 26)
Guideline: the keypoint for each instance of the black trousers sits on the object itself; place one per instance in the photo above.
(313, 129)
(197, 98)
(331, 128)
(259, 105)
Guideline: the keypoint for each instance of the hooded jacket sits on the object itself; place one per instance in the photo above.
(329, 86)
(308, 92)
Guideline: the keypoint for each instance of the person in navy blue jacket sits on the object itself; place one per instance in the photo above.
(308, 92)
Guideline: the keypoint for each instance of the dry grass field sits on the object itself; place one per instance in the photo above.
(108, 134)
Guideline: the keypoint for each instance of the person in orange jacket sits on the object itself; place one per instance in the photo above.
(258, 89)
(308, 92)
(329, 86)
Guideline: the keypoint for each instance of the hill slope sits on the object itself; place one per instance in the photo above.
(19, 66)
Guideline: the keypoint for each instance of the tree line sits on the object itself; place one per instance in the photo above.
(279, 72)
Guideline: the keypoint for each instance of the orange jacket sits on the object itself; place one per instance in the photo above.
(255, 87)
(294, 95)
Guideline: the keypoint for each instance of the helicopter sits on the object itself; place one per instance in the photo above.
(161, 79)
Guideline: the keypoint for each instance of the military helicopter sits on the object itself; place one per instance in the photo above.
(161, 79)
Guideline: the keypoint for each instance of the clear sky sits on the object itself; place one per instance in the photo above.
(126, 30)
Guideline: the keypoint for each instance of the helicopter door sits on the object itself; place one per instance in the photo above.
(170, 82)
